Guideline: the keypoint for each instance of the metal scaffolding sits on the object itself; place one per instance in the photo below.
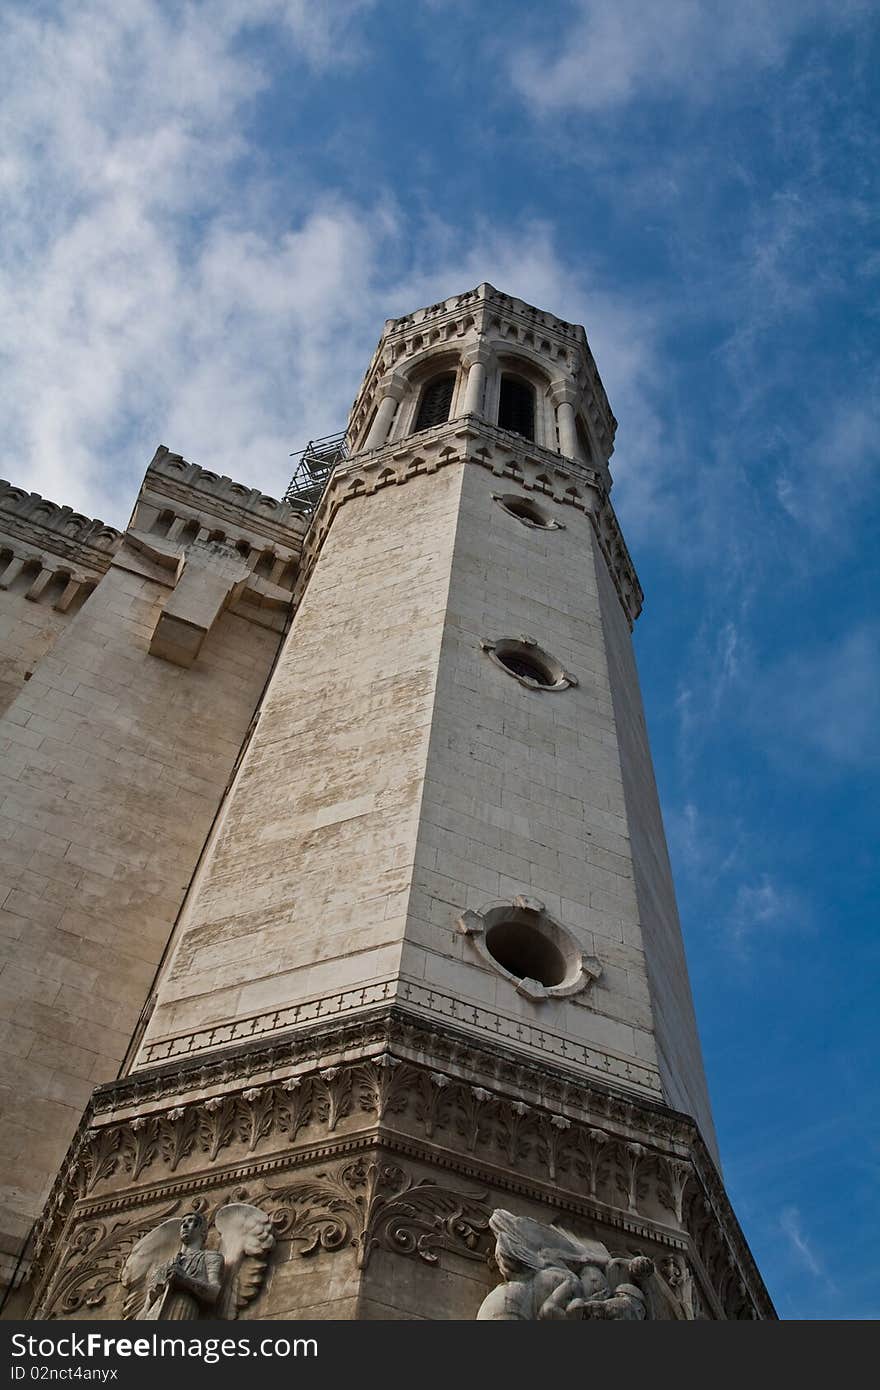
(314, 464)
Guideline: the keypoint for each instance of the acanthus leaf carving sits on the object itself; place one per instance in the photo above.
(367, 1203)
(630, 1181)
(100, 1155)
(256, 1116)
(675, 1172)
(295, 1107)
(474, 1104)
(139, 1144)
(334, 1101)
(216, 1124)
(383, 1085)
(515, 1121)
(434, 1101)
(177, 1134)
(591, 1162)
(553, 1130)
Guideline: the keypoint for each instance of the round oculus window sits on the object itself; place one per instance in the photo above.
(533, 667)
(539, 957)
(523, 949)
(526, 510)
(524, 664)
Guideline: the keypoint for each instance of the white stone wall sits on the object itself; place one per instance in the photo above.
(112, 766)
(27, 632)
(303, 897)
(524, 795)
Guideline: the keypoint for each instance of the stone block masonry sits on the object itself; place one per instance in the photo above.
(112, 767)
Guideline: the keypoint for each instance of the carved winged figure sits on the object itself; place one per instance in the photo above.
(170, 1274)
(549, 1273)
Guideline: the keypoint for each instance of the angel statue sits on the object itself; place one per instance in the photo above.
(550, 1273)
(170, 1274)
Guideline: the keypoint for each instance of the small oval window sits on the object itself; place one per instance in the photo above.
(522, 658)
(522, 948)
(526, 510)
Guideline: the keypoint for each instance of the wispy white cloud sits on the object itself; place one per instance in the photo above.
(826, 478)
(153, 291)
(608, 55)
(762, 907)
(140, 299)
(703, 849)
(790, 1222)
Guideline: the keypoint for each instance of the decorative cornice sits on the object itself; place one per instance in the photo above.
(469, 439)
(616, 1158)
(580, 1057)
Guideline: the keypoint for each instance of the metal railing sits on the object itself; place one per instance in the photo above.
(312, 471)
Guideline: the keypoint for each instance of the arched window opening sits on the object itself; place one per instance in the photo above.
(436, 401)
(516, 408)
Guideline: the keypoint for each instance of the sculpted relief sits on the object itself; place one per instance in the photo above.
(549, 1273)
(170, 1274)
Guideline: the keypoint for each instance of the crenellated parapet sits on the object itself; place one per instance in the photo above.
(179, 498)
(218, 545)
(51, 553)
(478, 340)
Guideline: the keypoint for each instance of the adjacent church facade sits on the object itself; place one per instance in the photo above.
(342, 975)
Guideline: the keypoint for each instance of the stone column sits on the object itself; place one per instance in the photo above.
(476, 363)
(391, 391)
(563, 395)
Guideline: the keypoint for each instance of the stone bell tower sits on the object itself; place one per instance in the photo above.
(429, 967)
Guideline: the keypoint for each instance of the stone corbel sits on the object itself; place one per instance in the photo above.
(208, 577)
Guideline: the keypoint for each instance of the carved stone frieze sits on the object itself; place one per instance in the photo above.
(636, 1173)
(366, 1203)
(192, 1256)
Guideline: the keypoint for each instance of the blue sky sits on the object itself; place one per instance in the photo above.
(210, 209)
